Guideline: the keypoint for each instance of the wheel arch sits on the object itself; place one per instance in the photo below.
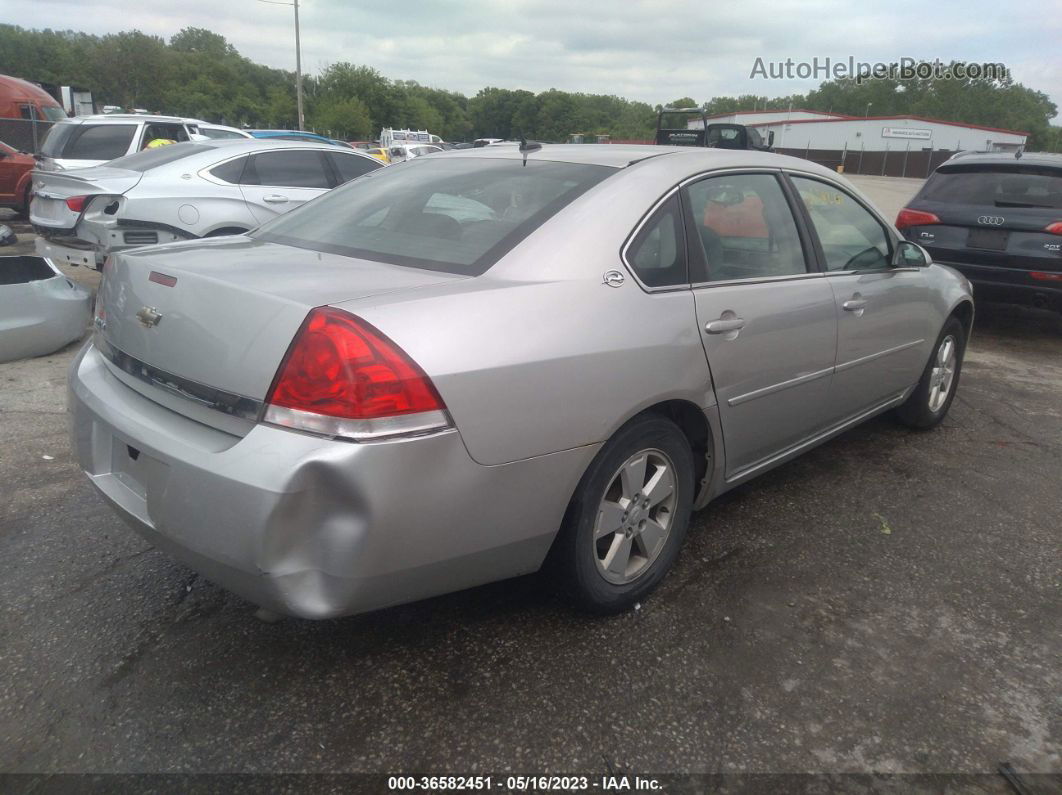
(964, 311)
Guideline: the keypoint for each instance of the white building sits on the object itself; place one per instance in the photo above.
(813, 130)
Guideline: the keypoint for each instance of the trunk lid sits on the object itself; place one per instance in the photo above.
(202, 326)
(51, 189)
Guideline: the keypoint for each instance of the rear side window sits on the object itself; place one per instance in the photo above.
(55, 139)
(851, 237)
(454, 215)
(99, 141)
(231, 172)
(219, 134)
(744, 229)
(350, 167)
(288, 169)
(998, 186)
(658, 252)
(152, 158)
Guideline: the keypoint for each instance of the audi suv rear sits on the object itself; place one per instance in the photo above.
(997, 218)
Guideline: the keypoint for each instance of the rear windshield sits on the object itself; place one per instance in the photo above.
(459, 215)
(998, 186)
(148, 159)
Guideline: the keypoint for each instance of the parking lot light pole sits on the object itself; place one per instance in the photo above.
(298, 58)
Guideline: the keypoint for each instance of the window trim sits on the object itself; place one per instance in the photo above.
(812, 265)
(890, 234)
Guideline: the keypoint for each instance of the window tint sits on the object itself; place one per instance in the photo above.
(230, 172)
(851, 238)
(352, 166)
(453, 215)
(152, 158)
(218, 134)
(997, 186)
(99, 141)
(744, 229)
(289, 169)
(55, 139)
(658, 253)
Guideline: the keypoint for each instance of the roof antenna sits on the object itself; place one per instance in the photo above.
(526, 148)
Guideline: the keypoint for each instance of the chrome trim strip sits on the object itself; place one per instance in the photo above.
(813, 440)
(789, 277)
(225, 402)
(864, 359)
(770, 390)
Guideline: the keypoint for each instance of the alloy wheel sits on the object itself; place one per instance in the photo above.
(942, 375)
(635, 516)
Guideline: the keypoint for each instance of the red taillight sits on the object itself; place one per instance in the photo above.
(76, 203)
(1040, 276)
(1055, 228)
(342, 377)
(908, 217)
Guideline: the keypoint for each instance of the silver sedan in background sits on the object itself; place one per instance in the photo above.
(460, 369)
(181, 191)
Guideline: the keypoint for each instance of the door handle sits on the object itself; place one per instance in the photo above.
(275, 198)
(854, 305)
(723, 326)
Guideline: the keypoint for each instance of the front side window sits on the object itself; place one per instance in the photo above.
(299, 168)
(165, 132)
(658, 253)
(744, 229)
(454, 215)
(850, 236)
(52, 113)
(99, 141)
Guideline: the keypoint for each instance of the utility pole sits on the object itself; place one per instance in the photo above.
(298, 68)
(298, 57)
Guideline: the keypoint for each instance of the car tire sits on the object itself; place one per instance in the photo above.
(620, 567)
(927, 406)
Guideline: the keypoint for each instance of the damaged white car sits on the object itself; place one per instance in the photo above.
(41, 310)
(181, 192)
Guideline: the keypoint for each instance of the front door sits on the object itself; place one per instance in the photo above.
(883, 311)
(766, 317)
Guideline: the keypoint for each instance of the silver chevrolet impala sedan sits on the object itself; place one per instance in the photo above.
(475, 365)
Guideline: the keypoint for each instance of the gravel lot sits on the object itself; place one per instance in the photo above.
(889, 602)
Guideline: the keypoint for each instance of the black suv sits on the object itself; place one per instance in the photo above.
(997, 218)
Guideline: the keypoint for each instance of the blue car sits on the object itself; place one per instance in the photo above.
(294, 135)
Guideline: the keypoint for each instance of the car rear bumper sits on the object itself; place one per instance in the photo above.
(68, 254)
(307, 526)
(1011, 285)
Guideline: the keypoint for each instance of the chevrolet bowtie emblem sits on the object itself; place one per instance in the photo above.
(149, 316)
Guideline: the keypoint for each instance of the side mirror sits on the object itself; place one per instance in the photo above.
(770, 138)
(911, 255)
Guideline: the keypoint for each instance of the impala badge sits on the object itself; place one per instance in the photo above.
(149, 316)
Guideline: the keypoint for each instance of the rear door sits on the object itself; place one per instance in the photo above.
(765, 314)
(883, 313)
(275, 182)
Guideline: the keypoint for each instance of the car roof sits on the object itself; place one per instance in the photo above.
(125, 118)
(622, 155)
(238, 146)
(966, 159)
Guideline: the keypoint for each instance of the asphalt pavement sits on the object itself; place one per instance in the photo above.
(890, 602)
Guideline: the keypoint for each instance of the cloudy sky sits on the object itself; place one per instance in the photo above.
(653, 50)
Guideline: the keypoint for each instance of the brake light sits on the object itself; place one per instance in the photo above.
(1055, 228)
(908, 217)
(343, 378)
(76, 203)
(1046, 277)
